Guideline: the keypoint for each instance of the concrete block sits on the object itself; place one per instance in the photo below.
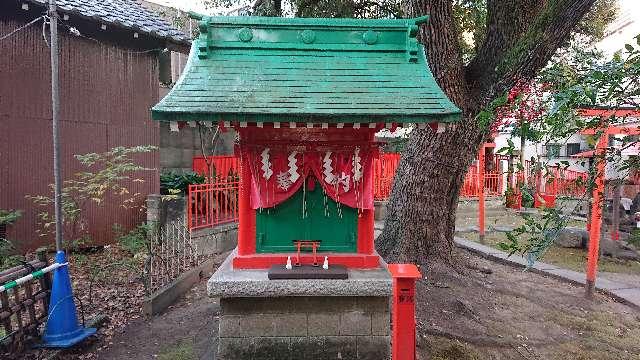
(323, 324)
(269, 348)
(229, 282)
(341, 347)
(235, 348)
(309, 348)
(373, 304)
(355, 323)
(373, 347)
(216, 240)
(161, 299)
(258, 325)
(629, 296)
(381, 323)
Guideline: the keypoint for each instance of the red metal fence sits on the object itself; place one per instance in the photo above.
(216, 202)
(563, 182)
(212, 203)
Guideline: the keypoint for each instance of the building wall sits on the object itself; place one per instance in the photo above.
(106, 92)
(177, 149)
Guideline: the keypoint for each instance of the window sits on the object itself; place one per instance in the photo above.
(553, 151)
(573, 148)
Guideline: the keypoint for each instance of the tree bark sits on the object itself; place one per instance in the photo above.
(521, 38)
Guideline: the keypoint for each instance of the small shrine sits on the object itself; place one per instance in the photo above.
(306, 97)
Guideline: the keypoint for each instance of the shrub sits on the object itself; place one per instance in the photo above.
(136, 240)
(172, 183)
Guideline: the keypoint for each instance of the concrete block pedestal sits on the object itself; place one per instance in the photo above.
(302, 319)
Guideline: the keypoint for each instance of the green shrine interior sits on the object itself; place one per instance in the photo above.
(334, 225)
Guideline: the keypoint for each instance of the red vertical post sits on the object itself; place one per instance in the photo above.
(365, 232)
(403, 318)
(596, 216)
(246, 215)
(481, 167)
(366, 224)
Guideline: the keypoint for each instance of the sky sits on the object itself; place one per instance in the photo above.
(190, 5)
(623, 29)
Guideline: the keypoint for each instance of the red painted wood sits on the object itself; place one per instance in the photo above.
(246, 215)
(265, 261)
(596, 213)
(481, 171)
(365, 232)
(403, 318)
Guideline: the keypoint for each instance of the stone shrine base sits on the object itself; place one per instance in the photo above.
(302, 319)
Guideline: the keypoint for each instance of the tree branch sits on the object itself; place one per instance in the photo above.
(441, 42)
(521, 41)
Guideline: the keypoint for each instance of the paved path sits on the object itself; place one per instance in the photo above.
(622, 289)
(625, 289)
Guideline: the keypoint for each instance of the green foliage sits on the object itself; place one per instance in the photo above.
(172, 183)
(585, 82)
(527, 196)
(104, 175)
(8, 256)
(315, 8)
(539, 234)
(136, 240)
(9, 216)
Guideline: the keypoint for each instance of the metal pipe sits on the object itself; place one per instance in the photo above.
(33, 275)
(55, 108)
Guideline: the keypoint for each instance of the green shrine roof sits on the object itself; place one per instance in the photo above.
(268, 69)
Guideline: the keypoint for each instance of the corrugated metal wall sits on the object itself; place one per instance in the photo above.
(106, 93)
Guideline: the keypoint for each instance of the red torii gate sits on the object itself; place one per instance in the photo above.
(598, 192)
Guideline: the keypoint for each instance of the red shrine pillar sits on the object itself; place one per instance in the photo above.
(366, 223)
(246, 215)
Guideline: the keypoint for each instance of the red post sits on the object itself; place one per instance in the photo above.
(366, 223)
(365, 232)
(481, 192)
(246, 215)
(404, 311)
(596, 216)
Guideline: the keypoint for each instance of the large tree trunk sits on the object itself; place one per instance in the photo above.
(521, 38)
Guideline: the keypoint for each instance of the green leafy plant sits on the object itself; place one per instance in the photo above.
(105, 174)
(172, 183)
(136, 240)
(8, 257)
(8, 217)
(589, 83)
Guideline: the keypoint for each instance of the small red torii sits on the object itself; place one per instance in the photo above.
(596, 206)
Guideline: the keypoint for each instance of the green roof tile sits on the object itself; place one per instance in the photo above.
(307, 70)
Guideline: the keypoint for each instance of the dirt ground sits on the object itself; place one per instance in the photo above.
(507, 314)
(511, 314)
(185, 331)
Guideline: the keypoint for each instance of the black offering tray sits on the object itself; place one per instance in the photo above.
(279, 272)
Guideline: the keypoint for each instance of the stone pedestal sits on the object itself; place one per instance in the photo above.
(302, 319)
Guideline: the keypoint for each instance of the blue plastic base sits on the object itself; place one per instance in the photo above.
(66, 340)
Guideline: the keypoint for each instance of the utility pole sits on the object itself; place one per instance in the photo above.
(55, 109)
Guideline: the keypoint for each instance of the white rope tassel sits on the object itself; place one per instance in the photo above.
(266, 164)
(329, 178)
(357, 165)
(293, 168)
